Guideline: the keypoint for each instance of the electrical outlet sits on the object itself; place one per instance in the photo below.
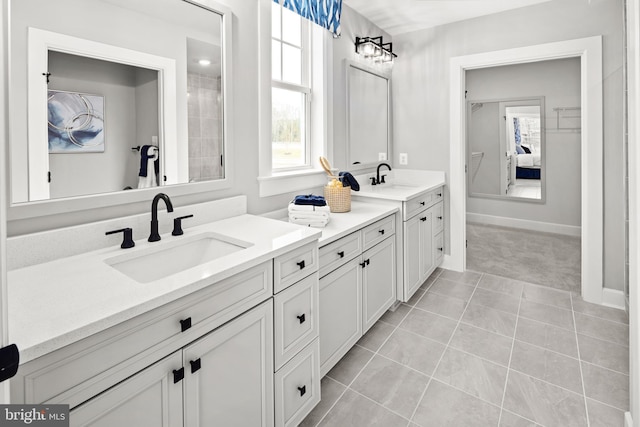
(404, 159)
(382, 156)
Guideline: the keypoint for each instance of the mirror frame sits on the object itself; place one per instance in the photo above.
(24, 210)
(385, 74)
(543, 150)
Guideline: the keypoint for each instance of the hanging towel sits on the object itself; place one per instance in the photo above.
(149, 166)
(349, 180)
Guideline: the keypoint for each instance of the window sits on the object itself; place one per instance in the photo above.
(290, 90)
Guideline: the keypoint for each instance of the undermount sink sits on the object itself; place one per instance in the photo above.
(167, 258)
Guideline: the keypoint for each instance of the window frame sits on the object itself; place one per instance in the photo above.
(319, 120)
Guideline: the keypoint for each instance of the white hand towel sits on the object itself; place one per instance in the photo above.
(307, 208)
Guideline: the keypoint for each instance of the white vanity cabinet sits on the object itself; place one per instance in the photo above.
(242, 351)
(422, 239)
(223, 378)
(357, 286)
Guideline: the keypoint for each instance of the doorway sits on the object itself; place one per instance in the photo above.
(589, 50)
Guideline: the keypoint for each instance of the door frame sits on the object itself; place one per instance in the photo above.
(589, 50)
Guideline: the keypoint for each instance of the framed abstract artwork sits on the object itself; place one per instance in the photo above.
(75, 122)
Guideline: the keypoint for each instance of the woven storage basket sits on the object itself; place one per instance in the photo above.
(338, 198)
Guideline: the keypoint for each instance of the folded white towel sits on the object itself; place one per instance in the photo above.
(309, 215)
(310, 223)
(307, 208)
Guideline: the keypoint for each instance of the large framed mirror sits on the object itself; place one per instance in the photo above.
(104, 111)
(506, 148)
(368, 115)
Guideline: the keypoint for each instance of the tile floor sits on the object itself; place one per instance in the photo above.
(473, 349)
(526, 188)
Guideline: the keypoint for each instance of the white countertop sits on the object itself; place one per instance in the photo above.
(57, 303)
(401, 184)
(361, 215)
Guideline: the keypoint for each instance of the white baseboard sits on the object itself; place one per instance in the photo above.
(628, 421)
(613, 298)
(547, 227)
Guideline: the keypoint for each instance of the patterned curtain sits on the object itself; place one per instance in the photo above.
(516, 130)
(325, 13)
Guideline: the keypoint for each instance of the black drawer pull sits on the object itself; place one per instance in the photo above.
(195, 365)
(439, 217)
(301, 318)
(439, 194)
(421, 203)
(441, 249)
(185, 324)
(178, 375)
(300, 264)
(302, 390)
(381, 231)
(341, 254)
(424, 218)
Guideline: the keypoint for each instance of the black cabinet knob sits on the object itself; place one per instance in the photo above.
(439, 217)
(300, 264)
(441, 249)
(301, 318)
(381, 231)
(302, 390)
(363, 264)
(421, 203)
(178, 375)
(424, 218)
(439, 194)
(195, 365)
(341, 254)
(185, 324)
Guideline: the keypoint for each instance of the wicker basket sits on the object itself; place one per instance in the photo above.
(338, 197)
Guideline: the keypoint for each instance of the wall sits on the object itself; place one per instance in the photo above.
(421, 91)
(485, 138)
(244, 119)
(559, 82)
(74, 174)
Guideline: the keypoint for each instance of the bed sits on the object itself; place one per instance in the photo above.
(528, 166)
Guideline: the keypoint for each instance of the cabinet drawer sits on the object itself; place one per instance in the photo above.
(294, 265)
(297, 387)
(438, 249)
(421, 202)
(339, 252)
(438, 217)
(79, 371)
(378, 231)
(296, 318)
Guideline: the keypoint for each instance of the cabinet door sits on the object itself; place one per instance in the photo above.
(229, 373)
(426, 244)
(340, 313)
(412, 269)
(149, 398)
(378, 281)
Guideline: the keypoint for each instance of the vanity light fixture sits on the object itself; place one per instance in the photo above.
(375, 48)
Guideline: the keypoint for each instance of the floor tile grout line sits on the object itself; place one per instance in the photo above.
(445, 350)
(602, 318)
(379, 404)
(513, 341)
(584, 390)
(348, 386)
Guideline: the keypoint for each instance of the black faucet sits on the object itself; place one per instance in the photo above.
(378, 181)
(154, 236)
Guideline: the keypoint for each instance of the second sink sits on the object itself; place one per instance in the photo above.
(162, 260)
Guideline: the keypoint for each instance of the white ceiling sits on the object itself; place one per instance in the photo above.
(402, 16)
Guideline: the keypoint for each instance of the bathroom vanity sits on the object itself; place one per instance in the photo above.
(232, 340)
(419, 195)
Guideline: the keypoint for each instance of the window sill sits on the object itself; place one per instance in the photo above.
(286, 182)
